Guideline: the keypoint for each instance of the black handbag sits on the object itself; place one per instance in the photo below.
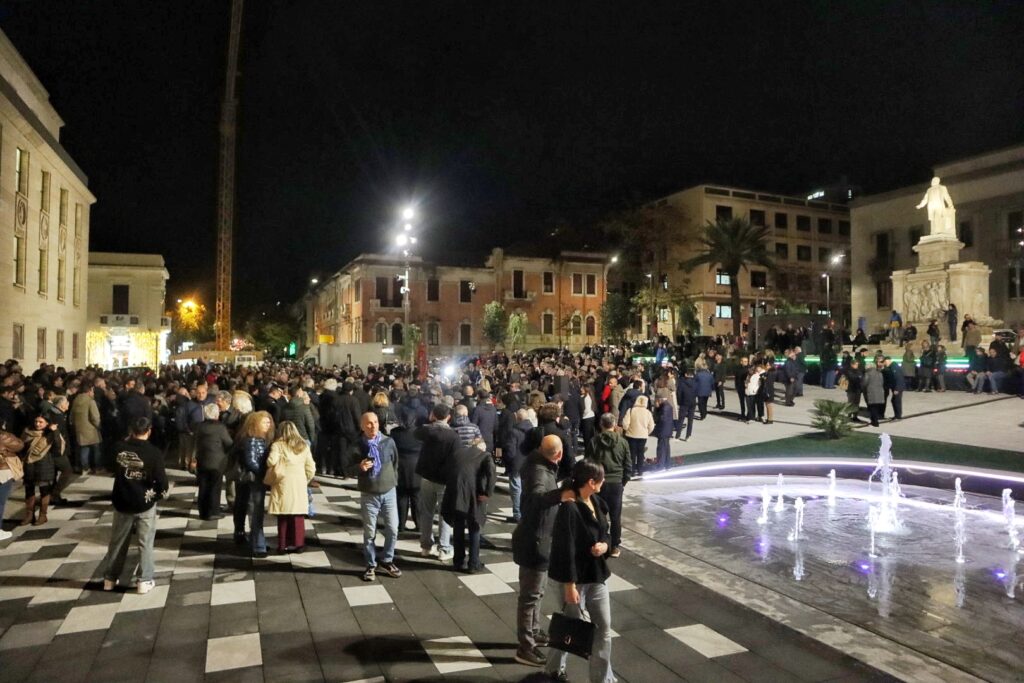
(571, 635)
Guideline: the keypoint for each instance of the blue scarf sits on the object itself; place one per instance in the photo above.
(373, 453)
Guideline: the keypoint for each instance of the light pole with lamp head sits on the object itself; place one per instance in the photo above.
(834, 261)
(405, 239)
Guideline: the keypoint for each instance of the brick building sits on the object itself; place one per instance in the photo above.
(561, 298)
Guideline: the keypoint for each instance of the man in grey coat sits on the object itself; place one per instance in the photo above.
(874, 390)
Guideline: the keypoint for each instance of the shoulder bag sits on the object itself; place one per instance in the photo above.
(568, 634)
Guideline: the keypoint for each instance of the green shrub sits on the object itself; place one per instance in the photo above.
(833, 417)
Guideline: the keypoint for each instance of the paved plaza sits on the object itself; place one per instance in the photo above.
(217, 615)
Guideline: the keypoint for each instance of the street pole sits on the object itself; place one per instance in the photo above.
(828, 295)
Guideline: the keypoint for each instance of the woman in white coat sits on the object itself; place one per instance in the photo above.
(637, 424)
(290, 468)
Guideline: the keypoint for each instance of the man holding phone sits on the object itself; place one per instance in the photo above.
(374, 462)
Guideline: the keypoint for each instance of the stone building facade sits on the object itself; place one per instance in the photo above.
(561, 298)
(127, 321)
(805, 236)
(988, 192)
(44, 226)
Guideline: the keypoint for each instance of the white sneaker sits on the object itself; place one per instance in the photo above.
(4, 535)
(426, 552)
(109, 585)
(445, 557)
(144, 587)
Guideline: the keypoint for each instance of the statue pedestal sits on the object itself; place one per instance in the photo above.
(938, 250)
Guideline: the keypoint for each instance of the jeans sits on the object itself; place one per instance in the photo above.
(531, 594)
(430, 499)
(463, 525)
(897, 404)
(144, 524)
(372, 505)
(799, 384)
(685, 415)
(702, 406)
(719, 396)
(241, 507)
(664, 452)
(595, 606)
(257, 540)
(90, 457)
(5, 493)
(611, 494)
(637, 448)
(515, 491)
(829, 380)
(743, 403)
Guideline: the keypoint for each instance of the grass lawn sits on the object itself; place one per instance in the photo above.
(863, 444)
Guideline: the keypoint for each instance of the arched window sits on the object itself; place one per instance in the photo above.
(380, 333)
(433, 334)
(465, 334)
(591, 326)
(577, 325)
(397, 336)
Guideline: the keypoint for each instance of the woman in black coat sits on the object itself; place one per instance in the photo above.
(213, 443)
(579, 548)
(408, 446)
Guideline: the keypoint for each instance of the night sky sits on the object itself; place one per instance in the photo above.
(501, 119)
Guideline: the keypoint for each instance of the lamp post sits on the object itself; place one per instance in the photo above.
(757, 307)
(405, 240)
(834, 261)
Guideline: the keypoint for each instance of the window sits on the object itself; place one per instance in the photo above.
(465, 332)
(20, 240)
(722, 277)
(357, 290)
(433, 289)
(591, 281)
(397, 336)
(824, 253)
(465, 291)
(576, 325)
(381, 290)
(577, 284)
(781, 221)
(119, 298)
(782, 281)
(76, 280)
(380, 333)
(397, 292)
(757, 217)
(18, 341)
(723, 311)
(21, 171)
(591, 326)
(62, 260)
(844, 228)
(44, 193)
(518, 285)
(758, 278)
(915, 237)
(60, 344)
(803, 223)
(549, 282)
(803, 252)
(882, 246)
(1015, 225)
(883, 294)
(74, 346)
(723, 212)
(782, 251)
(966, 233)
(40, 343)
(63, 211)
(1015, 288)
(825, 226)
(547, 323)
(433, 334)
(44, 260)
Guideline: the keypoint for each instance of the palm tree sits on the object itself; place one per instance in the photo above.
(733, 244)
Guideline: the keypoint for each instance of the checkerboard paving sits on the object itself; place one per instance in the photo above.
(218, 615)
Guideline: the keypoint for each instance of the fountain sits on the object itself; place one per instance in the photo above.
(959, 522)
(831, 488)
(887, 521)
(780, 504)
(1010, 515)
(798, 525)
(766, 502)
(872, 523)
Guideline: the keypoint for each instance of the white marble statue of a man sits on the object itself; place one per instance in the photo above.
(940, 208)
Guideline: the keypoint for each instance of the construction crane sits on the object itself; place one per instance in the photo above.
(226, 179)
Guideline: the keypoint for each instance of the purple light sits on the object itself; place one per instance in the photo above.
(1000, 574)
(865, 566)
(723, 520)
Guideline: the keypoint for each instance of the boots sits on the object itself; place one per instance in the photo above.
(44, 503)
(30, 511)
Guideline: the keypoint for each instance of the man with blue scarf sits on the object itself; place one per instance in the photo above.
(374, 462)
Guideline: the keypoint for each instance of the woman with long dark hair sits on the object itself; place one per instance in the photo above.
(252, 444)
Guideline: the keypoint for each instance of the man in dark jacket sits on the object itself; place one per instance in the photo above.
(485, 417)
(718, 370)
(439, 444)
(628, 399)
(512, 456)
(740, 377)
(139, 481)
(686, 399)
(895, 384)
(346, 419)
(470, 483)
(790, 374)
(531, 543)
(548, 423)
(134, 405)
(611, 451)
(663, 424)
(373, 460)
(298, 412)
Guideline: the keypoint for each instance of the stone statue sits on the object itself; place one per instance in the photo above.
(937, 300)
(941, 212)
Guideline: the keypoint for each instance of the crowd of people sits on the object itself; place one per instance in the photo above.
(569, 430)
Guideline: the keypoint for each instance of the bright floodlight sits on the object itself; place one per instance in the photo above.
(824, 274)
(837, 258)
(615, 259)
(407, 227)
(402, 239)
(314, 281)
(449, 370)
(408, 213)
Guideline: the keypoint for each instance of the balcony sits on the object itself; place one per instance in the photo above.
(121, 320)
(511, 295)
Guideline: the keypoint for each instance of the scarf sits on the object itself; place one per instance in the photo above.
(38, 445)
(373, 453)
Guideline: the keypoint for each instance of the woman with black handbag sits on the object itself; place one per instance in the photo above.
(579, 548)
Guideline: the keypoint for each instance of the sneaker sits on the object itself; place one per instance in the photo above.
(109, 585)
(4, 535)
(144, 586)
(370, 574)
(426, 552)
(541, 638)
(446, 556)
(615, 552)
(531, 658)
(391, 570)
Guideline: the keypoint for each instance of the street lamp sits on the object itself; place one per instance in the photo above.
(834, 261)
(314, 281)
(405, 239)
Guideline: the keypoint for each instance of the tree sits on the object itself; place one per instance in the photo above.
(515, 331)
(413, 335)
(272, 334)
(616, 317)
(495, 323)
(673, 298)
(733, 244)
